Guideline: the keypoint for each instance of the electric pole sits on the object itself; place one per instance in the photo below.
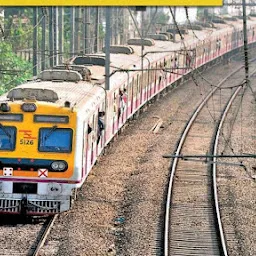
(115, 24)
(72, 29)
(87, 46)
(55, 36)
(107, 47)
(35, 14)
(174, 20)
(61, 34)
(246, 65)
(51, 36)
(97, 16)
(43, 38)
(76, 31)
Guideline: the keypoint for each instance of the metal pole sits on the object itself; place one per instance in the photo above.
(97, 16)
(115, 25)
(126, 33)
(61, 29)
(51, 36)
(72, 29)
(174, 19)
(87, 48)
(43, 39)
(35, 12)
(246, 65)
(142, 46)
(107, 47)
(77, 46)
(55, 36)
(121, 24)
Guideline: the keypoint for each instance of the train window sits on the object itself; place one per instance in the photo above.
(7, 137)
(51, 119)
(55, 140)
(11, 117)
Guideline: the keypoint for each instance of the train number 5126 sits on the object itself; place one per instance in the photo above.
(26, 142)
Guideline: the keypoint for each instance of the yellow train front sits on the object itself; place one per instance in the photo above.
(38, 146)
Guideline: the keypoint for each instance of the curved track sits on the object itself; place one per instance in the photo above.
(192, 220)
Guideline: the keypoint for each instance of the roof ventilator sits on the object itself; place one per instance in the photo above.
(139, 41)
(195, 27)
(169, 35)
(20, 93)
(89, 60)
(158, 37)
(63, 75)
(122, 49)
(183, 30)
(81, 69)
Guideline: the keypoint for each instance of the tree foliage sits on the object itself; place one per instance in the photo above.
(162, 17)
(18, 27)
(13, 69)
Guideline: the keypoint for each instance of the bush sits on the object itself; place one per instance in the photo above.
(13, 69)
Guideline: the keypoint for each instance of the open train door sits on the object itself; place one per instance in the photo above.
(92, 140)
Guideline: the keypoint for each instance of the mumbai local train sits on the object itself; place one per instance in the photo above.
(53, 128)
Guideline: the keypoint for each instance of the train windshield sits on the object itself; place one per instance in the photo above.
(55, 140)
(7, 137)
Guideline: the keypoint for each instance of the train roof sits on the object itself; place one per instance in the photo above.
(79, 93)
(124, 62)
(160, 49)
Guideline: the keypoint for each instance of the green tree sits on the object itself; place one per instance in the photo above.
(13, 70)
(162, 17)
(19, 27)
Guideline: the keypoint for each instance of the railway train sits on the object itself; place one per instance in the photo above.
(53, 128)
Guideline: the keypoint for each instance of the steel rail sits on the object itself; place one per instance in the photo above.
(214, 168)
(43, 237)
(177, 153)
(214, 165)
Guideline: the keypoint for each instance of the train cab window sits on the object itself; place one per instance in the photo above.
(7, 138)
(55, 140)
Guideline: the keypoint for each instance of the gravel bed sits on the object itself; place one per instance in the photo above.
(118, 208)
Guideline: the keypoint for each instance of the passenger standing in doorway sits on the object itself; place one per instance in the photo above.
(101, 125)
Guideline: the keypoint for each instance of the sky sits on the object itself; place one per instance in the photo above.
(180, 14)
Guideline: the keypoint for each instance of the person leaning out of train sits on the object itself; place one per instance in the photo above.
(188, 60)
(89, 129)
(123, 98)
(101, 125)
(115, 105)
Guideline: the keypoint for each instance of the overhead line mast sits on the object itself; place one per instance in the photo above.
(246, 64)
(107, 47)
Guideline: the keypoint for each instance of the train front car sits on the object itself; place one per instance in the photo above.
(37, 149)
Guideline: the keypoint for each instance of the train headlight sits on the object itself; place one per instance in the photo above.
(59, 165)
(54, 188)
(28, 107)
(5, 107)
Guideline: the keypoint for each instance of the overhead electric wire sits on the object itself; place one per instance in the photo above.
(174, 20)
(190, 25)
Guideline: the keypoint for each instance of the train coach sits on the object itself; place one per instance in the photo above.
(52, 129)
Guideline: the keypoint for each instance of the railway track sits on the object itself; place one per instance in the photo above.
(24, 236)
(44, 233)
(192, 220)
